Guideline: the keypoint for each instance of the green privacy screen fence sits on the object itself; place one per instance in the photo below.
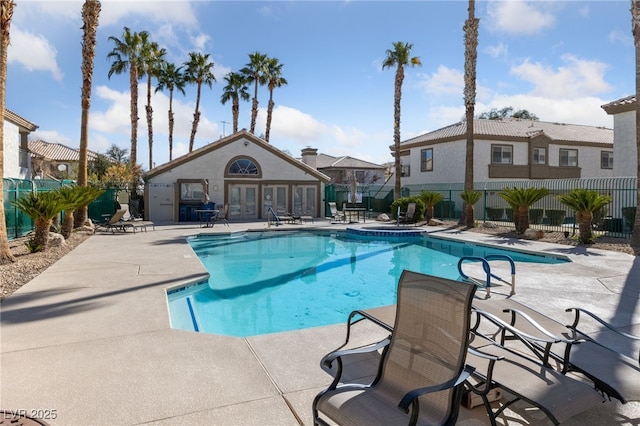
(19, 224)
(616, 219)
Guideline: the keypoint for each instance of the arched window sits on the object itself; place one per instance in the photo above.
(243, 166)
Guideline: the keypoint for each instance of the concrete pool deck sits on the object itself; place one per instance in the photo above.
(89, 339)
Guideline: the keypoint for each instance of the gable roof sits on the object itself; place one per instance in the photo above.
(243, 134)
(57, 151)
(19, 121)
(621, 105)
(516, 130)
(324, 161)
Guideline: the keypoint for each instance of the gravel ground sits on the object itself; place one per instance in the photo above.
(29, 265)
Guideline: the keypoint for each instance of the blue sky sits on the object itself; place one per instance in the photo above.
(561, 60)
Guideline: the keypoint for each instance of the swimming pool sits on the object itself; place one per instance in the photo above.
(265, 282)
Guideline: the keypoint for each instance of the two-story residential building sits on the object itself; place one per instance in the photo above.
(342, 169)
(50, 160)
(510, 149)
(625, 158)
(16, 150)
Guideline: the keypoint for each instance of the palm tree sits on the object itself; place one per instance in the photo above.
(6, 12)
(470, 198)
(171, 78)
(520, 199)
(255, 72)
(151, 58)
(635, 22)
(584, 202)
(470, 59)
(235, 90)
(78, 198)
(399, 56)
(199, 71)
(90, 15)
(273, 76)
(42, 207)
(125, 56)
(430, 200)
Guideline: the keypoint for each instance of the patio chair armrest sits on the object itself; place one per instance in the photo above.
(548, 336)
(598, 319)
(328, 359)
(410, 397)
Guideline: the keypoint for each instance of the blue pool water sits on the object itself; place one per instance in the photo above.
(265, 282)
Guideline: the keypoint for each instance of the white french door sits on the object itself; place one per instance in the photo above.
(243, 202)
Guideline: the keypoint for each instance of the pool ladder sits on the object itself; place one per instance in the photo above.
(276, 218)
(487, 269)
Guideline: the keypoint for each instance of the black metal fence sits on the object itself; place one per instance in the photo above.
(616, 219)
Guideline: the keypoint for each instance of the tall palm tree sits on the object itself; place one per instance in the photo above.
(151, 58)
(199, 71)
(470, 60)
(255, 71)
(273, 76)
(6, 12)
(170, 77)
(235, 90)
(399, 57)
(90, 15)
(635, 23)
(125, 56)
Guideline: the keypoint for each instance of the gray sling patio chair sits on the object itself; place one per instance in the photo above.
(409, 215)
(422, 370)
(611, 371)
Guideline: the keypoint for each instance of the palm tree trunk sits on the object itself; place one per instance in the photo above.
(133, 85)
(149, 110)
(67, 224)
(428, 215)
(396, 131)
(6, 12)
(235, 111)
(585, 219)
(635, 18)
(90, 14)
(269, 113)
(41, 234)
(254, 107)
(523, 219)
(170, 124)
(196, 119)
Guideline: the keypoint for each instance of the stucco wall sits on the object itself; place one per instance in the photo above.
(11, 151)
(624, 142)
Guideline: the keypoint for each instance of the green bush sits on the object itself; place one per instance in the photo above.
(556, 217)
(404, 202)
(495, 213)
(535, 216)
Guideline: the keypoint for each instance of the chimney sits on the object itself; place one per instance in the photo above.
(309, 156)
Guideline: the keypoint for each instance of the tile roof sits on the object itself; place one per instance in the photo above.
(518, 129)
(621, 105)
(324, 161)
(57, 151)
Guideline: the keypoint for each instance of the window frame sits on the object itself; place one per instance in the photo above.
(502, 146)
(538, 150)
(568, 150)
(425, 160)
(609, 155)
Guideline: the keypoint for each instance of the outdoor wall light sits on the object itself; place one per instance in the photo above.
(246, 143)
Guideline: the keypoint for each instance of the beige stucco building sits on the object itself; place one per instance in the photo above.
(241, 170)
(16, 151)
(625, 153)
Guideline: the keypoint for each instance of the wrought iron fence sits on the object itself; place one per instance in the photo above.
(616, 219)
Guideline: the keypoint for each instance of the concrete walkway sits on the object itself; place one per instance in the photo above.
(89, 342)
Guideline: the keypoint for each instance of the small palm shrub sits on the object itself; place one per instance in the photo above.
(77, 197)
(520, 200)
(470, 198)
(42, 207)
(430, 199)
(584, 202)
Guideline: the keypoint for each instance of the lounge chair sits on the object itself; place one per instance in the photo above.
(336, 215)
(222, 215)
(528, 378)
(612, 372)
(409, 215)
(114, 222)
(422, 369)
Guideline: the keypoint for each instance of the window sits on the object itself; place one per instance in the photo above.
(243, 166)
(606, 159)
(502, 154)
(539, 156)
(426, 160)
(406, 170)
(568, 157)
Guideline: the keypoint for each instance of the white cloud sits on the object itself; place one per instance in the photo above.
(518, 17)
(500, 50)
(445, 81)
(33, 52)
(176, 12)
(618, 36)
(53, 136)
(576, 78)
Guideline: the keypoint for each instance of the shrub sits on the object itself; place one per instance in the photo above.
(495, 213)
(556, 217)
